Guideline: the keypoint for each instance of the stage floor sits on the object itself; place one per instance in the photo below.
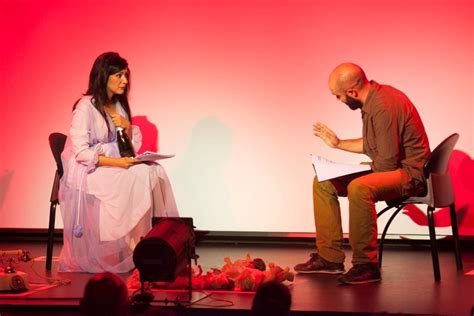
(407, 287)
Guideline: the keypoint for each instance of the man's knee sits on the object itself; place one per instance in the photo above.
(323, 186)
(357, 189)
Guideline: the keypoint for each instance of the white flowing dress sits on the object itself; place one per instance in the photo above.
(106, 210)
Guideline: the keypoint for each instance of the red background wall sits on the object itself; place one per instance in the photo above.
(232, 88)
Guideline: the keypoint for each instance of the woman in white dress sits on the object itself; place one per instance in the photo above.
(106, 200)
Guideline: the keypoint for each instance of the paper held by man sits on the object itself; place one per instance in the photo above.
(152, 156)
(326, 169)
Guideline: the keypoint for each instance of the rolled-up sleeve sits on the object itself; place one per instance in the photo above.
(387, 141)
(84, 152)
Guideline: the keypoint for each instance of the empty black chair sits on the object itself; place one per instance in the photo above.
(439, 194)
(56, 143)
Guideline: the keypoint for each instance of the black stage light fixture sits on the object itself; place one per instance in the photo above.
(166, 251)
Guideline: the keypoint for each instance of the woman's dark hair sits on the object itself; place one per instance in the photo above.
(105, 65)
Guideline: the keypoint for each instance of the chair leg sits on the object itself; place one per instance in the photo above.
(382, 238)
(434, 247)
(454, 225)
(389, 207)
(49, 248)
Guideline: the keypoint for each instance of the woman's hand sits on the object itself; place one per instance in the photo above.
(327, 135)
(120, 121)
(126, 162)
(123, 162)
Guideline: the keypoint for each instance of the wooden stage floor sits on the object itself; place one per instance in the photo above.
(407, 287)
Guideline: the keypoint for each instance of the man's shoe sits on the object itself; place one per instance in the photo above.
(361, 274)
(317, 264)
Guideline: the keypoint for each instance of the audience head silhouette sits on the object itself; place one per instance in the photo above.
(272, 298)
(105, 294)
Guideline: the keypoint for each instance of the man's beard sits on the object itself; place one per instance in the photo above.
(352, 103)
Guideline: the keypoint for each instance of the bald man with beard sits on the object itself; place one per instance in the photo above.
(394, 138)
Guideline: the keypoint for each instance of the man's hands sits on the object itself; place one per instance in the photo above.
(331, 139)
(326, 134)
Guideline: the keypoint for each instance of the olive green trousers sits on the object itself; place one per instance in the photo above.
(362, 191)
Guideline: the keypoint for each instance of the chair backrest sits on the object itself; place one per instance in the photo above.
(440, 188)
(439, 159)
(56, 143)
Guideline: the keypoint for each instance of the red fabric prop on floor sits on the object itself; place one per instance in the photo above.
(240, 275)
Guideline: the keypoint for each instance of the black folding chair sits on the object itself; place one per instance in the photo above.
(56, 143)
(439, 194)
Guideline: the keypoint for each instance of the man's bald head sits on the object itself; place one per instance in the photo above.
(347, 76)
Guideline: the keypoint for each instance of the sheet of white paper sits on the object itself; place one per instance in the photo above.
(151, 156)
(326, 169)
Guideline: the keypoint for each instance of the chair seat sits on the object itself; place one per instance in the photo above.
(418, 200)
(409, 200)
(396, 202)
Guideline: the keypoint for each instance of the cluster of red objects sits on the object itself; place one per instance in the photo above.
(241, 275)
